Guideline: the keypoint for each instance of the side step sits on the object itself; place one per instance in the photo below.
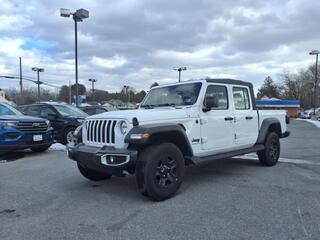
(199, 160)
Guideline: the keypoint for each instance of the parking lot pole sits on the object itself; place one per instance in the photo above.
(315, 87)
(76, 57)
(38, 82)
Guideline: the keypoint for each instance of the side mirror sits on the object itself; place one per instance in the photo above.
(210, 102)
(52, 116)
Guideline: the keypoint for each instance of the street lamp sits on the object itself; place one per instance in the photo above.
(92, 81)
(180, 69)
(315, 52)
(78, 16)
(38, 70)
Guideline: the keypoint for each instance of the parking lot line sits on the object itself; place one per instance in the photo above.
(285, 160)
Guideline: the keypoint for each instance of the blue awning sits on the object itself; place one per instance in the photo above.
(278, 103)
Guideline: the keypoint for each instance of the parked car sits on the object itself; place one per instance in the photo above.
(92, 110)
(176, 125)
(64, 118)
(306, 114)
(18, 131)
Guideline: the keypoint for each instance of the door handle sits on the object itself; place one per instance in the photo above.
(249, 117)
(228, 118)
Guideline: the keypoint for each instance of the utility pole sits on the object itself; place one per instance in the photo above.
(21, 89)
(92, 82)
(38, 70)
(180, 69)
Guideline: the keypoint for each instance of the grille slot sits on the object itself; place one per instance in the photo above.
(101, 131)
(31, 127)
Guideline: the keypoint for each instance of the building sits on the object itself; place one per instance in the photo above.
(291, 106)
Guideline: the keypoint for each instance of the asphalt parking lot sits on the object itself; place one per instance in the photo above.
(42, 196)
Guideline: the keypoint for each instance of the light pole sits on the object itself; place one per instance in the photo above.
(92, 82)
(78, 16)
(315, 52)
(38, 70)
(180, 69)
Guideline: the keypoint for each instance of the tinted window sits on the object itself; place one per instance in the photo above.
(90, 111)
(241, 98)
(69, 111)
(220, 94)
(32, 111)
(100, 110)
(45, 111)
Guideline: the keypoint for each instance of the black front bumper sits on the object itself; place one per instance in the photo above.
(91, 157)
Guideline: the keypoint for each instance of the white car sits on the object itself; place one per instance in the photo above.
(178, 125)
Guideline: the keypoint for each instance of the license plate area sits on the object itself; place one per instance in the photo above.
(37, 138)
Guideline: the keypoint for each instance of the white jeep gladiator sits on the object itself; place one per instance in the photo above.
(177, 125)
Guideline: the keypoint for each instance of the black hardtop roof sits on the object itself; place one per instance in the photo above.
(229, 81)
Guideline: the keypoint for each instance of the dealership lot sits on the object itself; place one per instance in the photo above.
(42, 196)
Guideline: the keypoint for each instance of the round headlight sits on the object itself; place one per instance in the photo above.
(123, 127)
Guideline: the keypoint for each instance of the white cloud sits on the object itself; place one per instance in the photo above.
(137, 42)
(114, 62)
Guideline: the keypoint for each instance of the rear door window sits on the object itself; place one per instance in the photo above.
(241, 98)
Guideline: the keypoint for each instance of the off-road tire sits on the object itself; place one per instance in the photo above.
(160, 171)
(91, 174)
(40, 149)
(270, 155)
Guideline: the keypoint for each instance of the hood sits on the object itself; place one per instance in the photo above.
(21, 118)
(146, 115)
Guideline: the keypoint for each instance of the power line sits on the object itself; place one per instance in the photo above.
(29, 79)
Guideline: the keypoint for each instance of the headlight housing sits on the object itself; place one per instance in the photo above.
(48, 123)
(78, 130)
(8, 123)
(123, 127)
(80, 120)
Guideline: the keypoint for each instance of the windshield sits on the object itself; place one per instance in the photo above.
(8, 110)
(68, 110)
(175, 95)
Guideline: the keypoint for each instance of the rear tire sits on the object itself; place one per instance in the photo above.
(160, 171)
(270, 155)
(91, 174)
(40, 149)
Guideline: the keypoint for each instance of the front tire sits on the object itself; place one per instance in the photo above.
(68, 135)
(160, 171)
(91, 174)
(270, 155)
(40, 149)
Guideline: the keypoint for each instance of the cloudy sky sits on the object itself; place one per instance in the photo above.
(138, 42)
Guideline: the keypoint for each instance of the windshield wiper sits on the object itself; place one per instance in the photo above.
(166, 105)
(148, 106)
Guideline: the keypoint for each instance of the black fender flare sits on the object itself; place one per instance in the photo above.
(162, 132)
(267, 125)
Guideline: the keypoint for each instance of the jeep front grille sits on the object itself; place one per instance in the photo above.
(101, 131)
(32, 127)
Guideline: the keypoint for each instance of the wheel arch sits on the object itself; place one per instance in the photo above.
(174, 133)
(269, 125)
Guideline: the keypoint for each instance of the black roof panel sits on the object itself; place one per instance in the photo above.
(229, 81)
